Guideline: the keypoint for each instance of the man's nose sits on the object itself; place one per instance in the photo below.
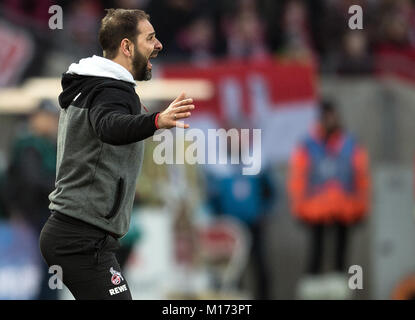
(158, 45)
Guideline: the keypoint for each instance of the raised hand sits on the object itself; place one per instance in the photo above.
(177, 110)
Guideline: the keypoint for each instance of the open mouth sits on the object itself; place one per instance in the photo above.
(153, 55)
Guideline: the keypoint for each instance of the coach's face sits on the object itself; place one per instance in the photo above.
(148, 46)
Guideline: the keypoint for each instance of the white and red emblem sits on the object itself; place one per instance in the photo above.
(116, 277)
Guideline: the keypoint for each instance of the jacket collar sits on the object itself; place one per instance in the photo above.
(101, 67)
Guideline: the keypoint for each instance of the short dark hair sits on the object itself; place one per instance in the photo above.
(117, 25)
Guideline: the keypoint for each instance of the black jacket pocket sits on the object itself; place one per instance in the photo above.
(118, 197)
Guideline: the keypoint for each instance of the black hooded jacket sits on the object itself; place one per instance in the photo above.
(100, 148)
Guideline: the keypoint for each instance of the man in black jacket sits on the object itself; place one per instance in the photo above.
(100, 150)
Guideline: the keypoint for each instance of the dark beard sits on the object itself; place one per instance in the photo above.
(141, 73)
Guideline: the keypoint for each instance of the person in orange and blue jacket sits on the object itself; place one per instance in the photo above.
(329, 184)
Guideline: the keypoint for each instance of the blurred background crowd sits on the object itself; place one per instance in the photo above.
(202, 30)
(336, 185)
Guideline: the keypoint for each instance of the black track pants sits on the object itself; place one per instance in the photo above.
(317, 247)
(86, 255)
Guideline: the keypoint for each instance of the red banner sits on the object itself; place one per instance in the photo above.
(276, 97)
(284, 83)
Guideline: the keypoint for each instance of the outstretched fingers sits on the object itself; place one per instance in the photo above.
(182, 115)
(177, 104)
(184, 108)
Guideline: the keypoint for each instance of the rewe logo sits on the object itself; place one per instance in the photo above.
(118, 290)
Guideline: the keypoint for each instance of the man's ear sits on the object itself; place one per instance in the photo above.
(126, 47)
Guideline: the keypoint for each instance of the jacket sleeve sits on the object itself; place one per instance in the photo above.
(362, 180)
(309, 208)
(297, 178)
(113, 122)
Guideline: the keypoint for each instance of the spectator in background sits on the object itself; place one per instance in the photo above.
(397, 23)
(171, 17)
(202, 30)
(82, 24)
(247, 198)
(297, 31)
(78, 37)
(31, 174)
(245, 33)
(329, 188)
(355, 59)
(197, 40)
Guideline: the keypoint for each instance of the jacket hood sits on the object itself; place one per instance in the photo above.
(87, 74)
